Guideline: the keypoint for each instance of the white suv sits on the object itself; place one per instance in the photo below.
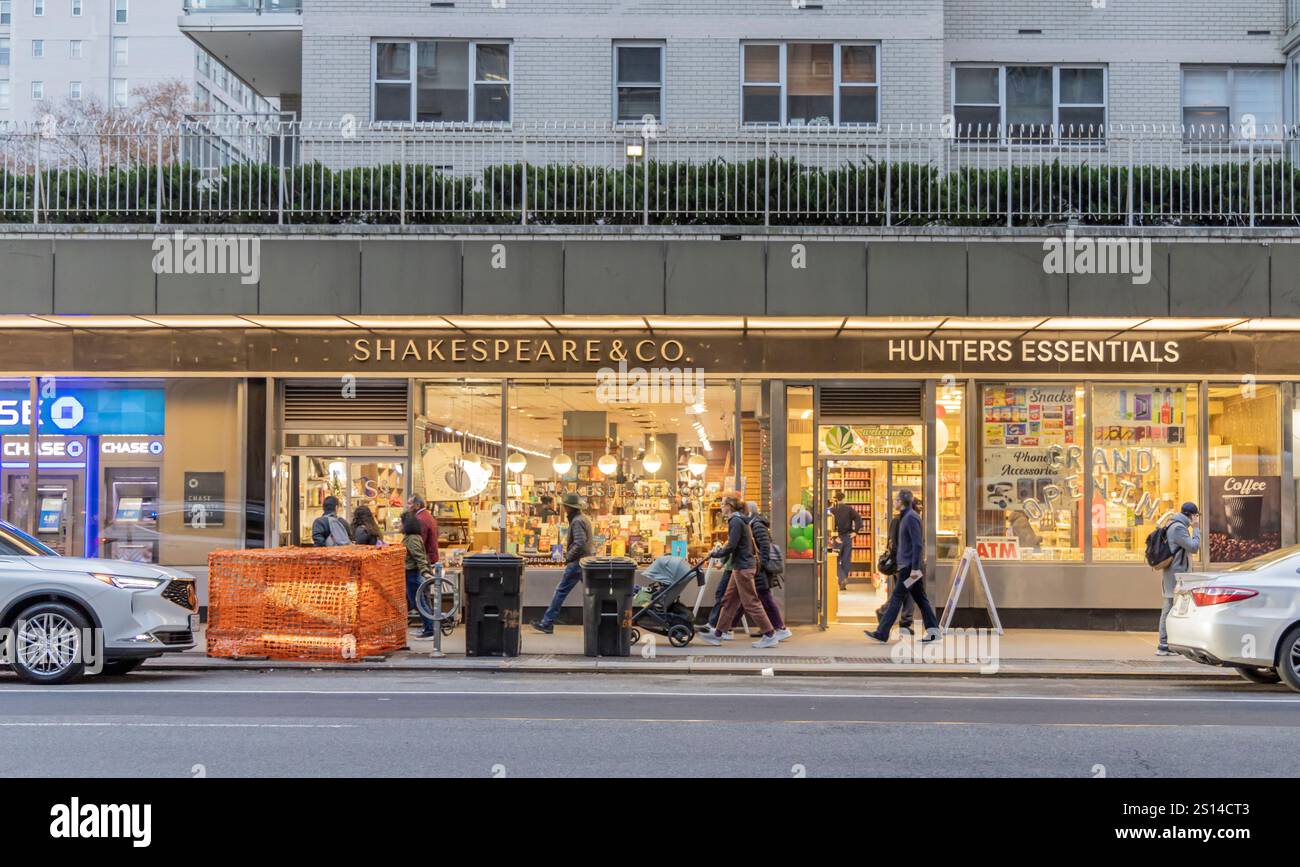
(61, 616)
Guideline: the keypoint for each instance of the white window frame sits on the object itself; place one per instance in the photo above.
(76, 49)
(38, 49)
(77, 7)
(1234, 117)
(38, 8)
(6, 94)
(782, 46)
(472, 81)
(9, 48)
(126, 96)
(662, 83)
(38, 90)
(1056, 68)
(121, 12)
(123, 57)
(6, 12)
(74, 91)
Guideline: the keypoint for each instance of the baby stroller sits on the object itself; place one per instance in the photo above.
(658, 606)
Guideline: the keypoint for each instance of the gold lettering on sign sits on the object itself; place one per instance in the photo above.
(523, 350)
(380, 349)
(569, 350)
(545, 351)
(361, 349)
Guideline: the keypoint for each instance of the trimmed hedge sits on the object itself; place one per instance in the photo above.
(778, 191)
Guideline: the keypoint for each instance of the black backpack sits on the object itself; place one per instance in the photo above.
(1159, 554)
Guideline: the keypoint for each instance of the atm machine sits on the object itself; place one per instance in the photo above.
(130, 476)
(61, 492)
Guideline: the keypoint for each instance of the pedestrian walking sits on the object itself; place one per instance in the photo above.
(365, 529)
(417, 564)
(766, 577)
(847, 522)
(741, 557)
(890, 562)
(911, 573)
(329, 530)
(577, 546)
(1184, 538)
(428, 526)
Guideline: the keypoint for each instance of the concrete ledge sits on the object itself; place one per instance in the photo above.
(1172, 669)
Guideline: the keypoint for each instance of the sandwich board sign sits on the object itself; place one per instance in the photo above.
(970, 559)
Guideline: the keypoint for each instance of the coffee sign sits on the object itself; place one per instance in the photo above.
(1245, 517)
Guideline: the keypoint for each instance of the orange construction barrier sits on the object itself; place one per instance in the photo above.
(307, 603)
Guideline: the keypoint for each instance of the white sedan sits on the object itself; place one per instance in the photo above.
(1245, 617)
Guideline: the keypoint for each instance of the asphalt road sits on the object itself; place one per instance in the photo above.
(177, 724)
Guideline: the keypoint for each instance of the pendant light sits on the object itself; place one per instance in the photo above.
(516, 463)
(652, 463)
(562, 463)
(608, 464)
(697, 464)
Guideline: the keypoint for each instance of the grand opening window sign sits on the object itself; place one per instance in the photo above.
(86, 411)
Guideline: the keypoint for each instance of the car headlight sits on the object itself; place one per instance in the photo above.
(123, 582)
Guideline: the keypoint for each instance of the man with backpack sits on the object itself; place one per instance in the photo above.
(1182, 539)
(771, 566)
(329, 530)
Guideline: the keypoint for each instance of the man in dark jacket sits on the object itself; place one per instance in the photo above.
(911, 570)
(577, 546)
(329, 530)
(847, 522)
(905, 619)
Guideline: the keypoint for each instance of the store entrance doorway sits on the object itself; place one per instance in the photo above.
(852, 588)
(378, 483)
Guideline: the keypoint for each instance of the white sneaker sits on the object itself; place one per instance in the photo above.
(1164, 651)
(709, 638)
(727, 636)
(766, 641)
(783, 633)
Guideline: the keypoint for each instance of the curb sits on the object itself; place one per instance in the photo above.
(598, 666)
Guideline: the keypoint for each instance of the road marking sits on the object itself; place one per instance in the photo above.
(132, 725)
(655, 694)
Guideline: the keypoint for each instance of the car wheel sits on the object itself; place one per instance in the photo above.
(1260, 675)
(1288, 658)
(46, 643)
(117, 667)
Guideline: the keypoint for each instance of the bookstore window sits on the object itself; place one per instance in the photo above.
(649, 464)
(1029, 505)
(458, 467)
(1144, 463)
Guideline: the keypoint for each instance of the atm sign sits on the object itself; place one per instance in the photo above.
(998, 547)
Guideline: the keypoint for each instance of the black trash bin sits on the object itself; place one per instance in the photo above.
(607, 605)
(494, 586)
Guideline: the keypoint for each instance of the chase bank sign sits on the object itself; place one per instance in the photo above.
(82, 411)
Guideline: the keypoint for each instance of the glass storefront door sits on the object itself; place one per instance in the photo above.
(378, 483)
(853, 589)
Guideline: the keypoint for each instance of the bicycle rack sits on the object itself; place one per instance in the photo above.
(433, 587)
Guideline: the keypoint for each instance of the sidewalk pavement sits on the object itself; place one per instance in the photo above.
(840, 650)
